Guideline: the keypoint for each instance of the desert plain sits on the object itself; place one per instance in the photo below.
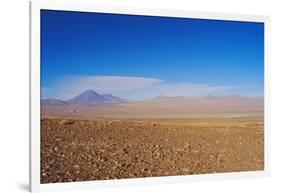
(132, 141)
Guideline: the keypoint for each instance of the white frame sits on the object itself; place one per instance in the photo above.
(36, 6)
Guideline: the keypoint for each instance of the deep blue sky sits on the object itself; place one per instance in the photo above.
(171, 49)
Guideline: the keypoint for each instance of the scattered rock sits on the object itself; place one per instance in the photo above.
(87, 151)
(186, 170)
(66, 122)
(56, 149)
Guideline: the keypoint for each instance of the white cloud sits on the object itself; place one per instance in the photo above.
(70, 86)
(179, 89)
(132, 88)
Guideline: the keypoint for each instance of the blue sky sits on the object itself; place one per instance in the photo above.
(138, 57)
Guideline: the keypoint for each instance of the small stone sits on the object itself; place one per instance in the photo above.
(186, 146)
(56, 148)
(186, 170)
(145, 170)
(66, 122)
(195, 151)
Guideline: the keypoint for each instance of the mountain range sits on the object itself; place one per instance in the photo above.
(88, 97)
(90, 104)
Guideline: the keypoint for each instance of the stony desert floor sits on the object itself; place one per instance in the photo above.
(101, 149)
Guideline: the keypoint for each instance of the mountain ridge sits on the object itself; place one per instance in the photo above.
(90, 104)
(91, 97)
(88, 97)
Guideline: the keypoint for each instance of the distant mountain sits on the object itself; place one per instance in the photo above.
(88, 97)
(90, 104)
(113, 99)
(207, 98)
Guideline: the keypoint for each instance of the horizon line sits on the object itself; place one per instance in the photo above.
(157, 96)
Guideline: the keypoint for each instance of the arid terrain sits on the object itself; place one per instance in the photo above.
(100, 136)
(91, 105)
(101, 149)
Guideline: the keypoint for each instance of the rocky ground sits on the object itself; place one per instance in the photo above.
(83, 150)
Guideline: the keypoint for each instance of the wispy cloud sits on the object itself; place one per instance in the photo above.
(133, 88)
(69, 86)
(180, 89)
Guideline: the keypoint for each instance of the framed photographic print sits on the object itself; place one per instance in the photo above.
(123, 96)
